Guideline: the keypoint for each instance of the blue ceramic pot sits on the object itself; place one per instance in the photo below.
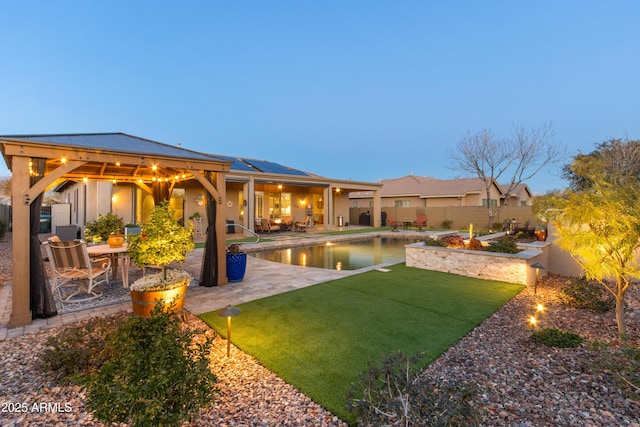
(236, 267)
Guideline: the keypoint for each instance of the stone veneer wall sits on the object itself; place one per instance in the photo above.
(512, 268)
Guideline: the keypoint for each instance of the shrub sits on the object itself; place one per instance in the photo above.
(158, 374)
(453, 241)
(554, 337)
(497, 226)
(446, 224)
(3, 228)
(388, 393)
(623, 360)
(99, 230)
(79, 350)
(583, 293)
(430, 241)
(505, 244)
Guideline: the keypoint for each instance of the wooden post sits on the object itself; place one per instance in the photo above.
(20, 299)
(221, 227)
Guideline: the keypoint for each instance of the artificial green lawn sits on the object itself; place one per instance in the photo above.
(320, 338)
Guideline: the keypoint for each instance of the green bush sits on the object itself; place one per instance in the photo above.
(430, 241)
(446, 224)
(3, 228)
(554, 337)
(158, 375)
(505, 244)
(99, 230)
(388, 393)
(583, 293)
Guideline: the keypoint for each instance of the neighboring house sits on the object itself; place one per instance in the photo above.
(420, 192)
(520, 195)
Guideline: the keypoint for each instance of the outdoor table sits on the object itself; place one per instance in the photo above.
(116, 254)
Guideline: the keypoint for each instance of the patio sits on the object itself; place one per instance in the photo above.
(263, 278)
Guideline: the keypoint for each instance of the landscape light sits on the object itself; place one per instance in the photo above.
(229, 312)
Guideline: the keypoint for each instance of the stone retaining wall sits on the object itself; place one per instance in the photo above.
(512, 268)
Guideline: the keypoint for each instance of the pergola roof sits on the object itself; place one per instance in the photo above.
(110, 156)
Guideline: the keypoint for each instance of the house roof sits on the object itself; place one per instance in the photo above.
(426, 187)
(518, 190)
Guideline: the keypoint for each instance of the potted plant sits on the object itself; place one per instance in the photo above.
(236, 262)
(106, 228)
(162, 240)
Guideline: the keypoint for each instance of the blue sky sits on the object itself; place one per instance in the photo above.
(361, 90)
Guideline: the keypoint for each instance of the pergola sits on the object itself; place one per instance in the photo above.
(38, 164)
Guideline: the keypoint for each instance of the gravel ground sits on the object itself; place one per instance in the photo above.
(522, 383)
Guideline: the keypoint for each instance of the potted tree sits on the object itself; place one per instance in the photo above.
(106, 228)
(236, 262)
(162, 240)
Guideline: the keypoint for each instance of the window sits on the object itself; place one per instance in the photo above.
(523, 203)
(403, 204)
(494, 203)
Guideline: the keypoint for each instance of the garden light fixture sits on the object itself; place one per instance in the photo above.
(229, 312)
(538, 267)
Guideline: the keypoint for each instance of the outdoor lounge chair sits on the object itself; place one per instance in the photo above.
(266, 226)
(420, 222)
(393, 223)
(72, 267)
(301, 225)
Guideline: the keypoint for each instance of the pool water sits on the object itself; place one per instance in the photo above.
(348, 255)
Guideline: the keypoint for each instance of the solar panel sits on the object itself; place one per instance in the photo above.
(270, 167)
(236, 163)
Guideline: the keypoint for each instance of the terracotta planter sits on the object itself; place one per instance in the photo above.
(144, 301)
(541, 234)
(115, 240)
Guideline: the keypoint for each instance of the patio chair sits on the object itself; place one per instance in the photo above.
(393, 223)
(420, 222)
(72, 267)
(268, 227)
(525, 228)
(301, 225)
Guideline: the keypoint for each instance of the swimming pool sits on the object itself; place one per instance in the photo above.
(345, 255)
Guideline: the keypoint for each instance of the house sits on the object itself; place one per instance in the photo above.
(519, 195)
(254, 189)
(124, 174)
(419, 192)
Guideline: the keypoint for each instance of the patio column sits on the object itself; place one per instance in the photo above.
(377, 216)
(250, 212)
(20, 300)
(327, 194)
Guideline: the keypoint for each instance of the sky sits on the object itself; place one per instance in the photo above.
(360, 90)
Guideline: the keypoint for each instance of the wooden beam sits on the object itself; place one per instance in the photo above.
(44, 183)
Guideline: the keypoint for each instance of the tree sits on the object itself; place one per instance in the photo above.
(522, 156)
(619, 157)
(598, 220)
(5, 186)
